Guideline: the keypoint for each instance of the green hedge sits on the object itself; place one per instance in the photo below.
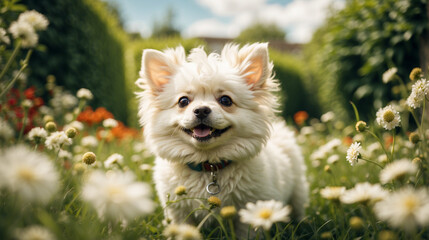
(356, 45)
(297, 91)
(84, 49)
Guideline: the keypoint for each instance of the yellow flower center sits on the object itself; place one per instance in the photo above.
(26, 174)
(411, 204)
(114, 191)
(265, 213)
(388, 116)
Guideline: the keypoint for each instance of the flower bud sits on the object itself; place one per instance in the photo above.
(51, 127)
(414, 137)
(88, 158)
(361, 126)
(214, 202)
(180, 190)
(416, 74)
(228, 212)
(356, 223)
(71, 132)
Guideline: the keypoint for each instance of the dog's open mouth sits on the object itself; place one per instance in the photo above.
(203, 132)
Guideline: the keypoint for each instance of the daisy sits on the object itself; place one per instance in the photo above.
(332, 193)
(388, 117)
(75, 124)
(363, 193)
(419, 91)
(3, 37)
(34, 232)
(264, 213)
(182, 232)
(57, 139)
(389, 75)
(37, 134)
(112, 159)
(84, 93)
(397, 170)
(35, 19)
(406, 209)
(110, 123)
(89, 141)
(117, 195)
(31, 175)
(6, 132)
(24, 31)
(353, 153)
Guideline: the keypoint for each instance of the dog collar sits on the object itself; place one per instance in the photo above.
(213, 187)
(207, 167)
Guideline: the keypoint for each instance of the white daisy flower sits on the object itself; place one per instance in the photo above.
(112, 159)
(31, 175)
(89, 141)
(6, 132)
(353, 153)
(397, 170)
(333, 159)
(405, 209)
(57, 140)
(37, 134)
(419, 91)
(117, 195)
(110, 123)
(75, 124)
(65, 155)
(264, 213)
(389, 75)
(332, 193)
(84, 93)
(3, 36)
(25, 32)
(34, 232)
(327, 116)
(388, 117)
(364, 193)
(182, 232)
(36, 20)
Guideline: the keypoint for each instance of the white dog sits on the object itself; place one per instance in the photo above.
(209, 121)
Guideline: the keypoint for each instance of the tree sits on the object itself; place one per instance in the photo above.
(261, 32)
(165, 28)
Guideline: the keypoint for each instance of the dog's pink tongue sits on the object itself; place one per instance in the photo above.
(201, 132)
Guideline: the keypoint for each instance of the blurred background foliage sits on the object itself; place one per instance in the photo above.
(350, 52)
(86, 46)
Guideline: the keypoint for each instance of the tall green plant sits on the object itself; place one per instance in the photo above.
(359, 43)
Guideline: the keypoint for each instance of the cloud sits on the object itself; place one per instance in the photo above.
(300, 18)
(139, 26)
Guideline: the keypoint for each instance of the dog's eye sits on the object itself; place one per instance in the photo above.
(225, 100)
(183, 102)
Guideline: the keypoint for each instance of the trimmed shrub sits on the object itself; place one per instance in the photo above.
(84, 49)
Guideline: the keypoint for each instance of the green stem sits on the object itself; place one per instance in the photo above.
(12, 57)
(267, 234)
(231, 227)
(393, 144)
(370, 161)
(204, 220)
(381, 143)
(24, 120)
(23, 67)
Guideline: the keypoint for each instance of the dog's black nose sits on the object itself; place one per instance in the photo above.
(202, 112)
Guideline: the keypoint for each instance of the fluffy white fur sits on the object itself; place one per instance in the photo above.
(266, 161)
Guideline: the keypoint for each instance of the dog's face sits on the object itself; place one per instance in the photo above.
(206, 107)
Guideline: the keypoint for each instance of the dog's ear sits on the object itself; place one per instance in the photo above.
(157, 68)
(255, 66)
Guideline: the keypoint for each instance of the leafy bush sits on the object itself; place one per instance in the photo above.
(296, 88)
(358, 44)
(84, 48)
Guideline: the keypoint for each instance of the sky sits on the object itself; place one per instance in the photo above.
(227, 18)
